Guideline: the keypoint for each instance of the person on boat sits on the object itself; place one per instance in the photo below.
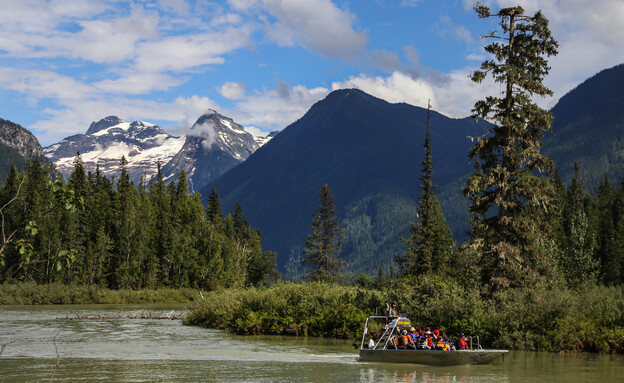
(391, 311)
(422, 343)
(439, 343)
(463, 342)
(436, 335)
(429, 337)
(414, 334)
(405, 340)
(446, 345)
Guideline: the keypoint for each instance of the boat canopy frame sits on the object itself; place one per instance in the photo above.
(395, 324)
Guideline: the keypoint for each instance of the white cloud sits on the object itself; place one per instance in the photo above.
(232, 90)
(75, 35)
(178, 53)
(317, 25)
(276, 108)
(398, 87)
(448, 29)
(243, 5)
(142, 83)
(38, 84)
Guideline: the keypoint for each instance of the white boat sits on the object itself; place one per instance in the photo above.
(381, 349)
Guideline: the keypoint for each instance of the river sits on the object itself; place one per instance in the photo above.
(44, 343)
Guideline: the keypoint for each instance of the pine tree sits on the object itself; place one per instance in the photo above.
(577, 259)
(614, 264)
(324, 245)
(126, 234)
(607, 218)
(507, 191)
(76, 232)
(430, 242)
(214, 212)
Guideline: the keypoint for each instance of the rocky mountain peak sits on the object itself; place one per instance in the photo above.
(104, 123)
(17, 137)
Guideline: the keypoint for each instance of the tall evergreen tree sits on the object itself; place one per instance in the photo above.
(324, 245)
(430, 242)
(214, 212)
(507, 190)
(614, 262)
(608, 248)
(126, 235)
(577, 258)
(76, 231)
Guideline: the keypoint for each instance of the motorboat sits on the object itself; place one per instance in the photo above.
(383, 348)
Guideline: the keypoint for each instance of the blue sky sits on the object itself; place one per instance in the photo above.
(66, 63)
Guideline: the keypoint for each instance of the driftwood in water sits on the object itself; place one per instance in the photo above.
(133, 316)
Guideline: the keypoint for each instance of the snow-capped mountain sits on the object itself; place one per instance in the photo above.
(143, 144)
(212, 146)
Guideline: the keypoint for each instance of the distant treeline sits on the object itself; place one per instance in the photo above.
(95, 230)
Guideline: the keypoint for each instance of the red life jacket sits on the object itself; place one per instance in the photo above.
(440, 344)
(463, 344)
(430, 342)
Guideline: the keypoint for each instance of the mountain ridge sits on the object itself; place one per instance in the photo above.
(369, 152)
(213, 145)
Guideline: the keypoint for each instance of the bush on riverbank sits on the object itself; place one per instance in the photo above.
(56, 293)
(313, 309)
(541, 318)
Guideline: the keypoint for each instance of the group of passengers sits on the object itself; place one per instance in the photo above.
(421, 339)
(426, 339)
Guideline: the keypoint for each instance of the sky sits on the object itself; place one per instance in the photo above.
(264, 63)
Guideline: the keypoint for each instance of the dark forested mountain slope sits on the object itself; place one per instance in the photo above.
(589, 128)
(369, 152)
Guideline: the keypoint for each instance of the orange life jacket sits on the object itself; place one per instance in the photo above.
(440, 344)
(406, 339)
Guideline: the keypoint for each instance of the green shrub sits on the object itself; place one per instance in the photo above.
(55, 293)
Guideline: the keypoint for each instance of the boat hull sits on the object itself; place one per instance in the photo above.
(431, 357)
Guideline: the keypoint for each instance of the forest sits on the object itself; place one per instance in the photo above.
(97, 231)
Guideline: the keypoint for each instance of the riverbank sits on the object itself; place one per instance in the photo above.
(41, 348)
(56, 293)
(541, 318)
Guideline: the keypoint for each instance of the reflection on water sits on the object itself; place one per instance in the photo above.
(142, 350)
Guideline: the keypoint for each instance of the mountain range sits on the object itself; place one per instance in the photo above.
(367, 150)
(213, 145)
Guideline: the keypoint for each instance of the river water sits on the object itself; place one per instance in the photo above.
(44, 343)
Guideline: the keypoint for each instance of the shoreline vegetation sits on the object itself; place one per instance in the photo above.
(30, 293)
(539, 318)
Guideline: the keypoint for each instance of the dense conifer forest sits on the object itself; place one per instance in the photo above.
(92, 230)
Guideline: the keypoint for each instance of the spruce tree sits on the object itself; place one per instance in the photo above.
(607, 246)
(507, 190)
(126, 235)
(430, 242)
(577, 259)
(214, 212)
(324, 245)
